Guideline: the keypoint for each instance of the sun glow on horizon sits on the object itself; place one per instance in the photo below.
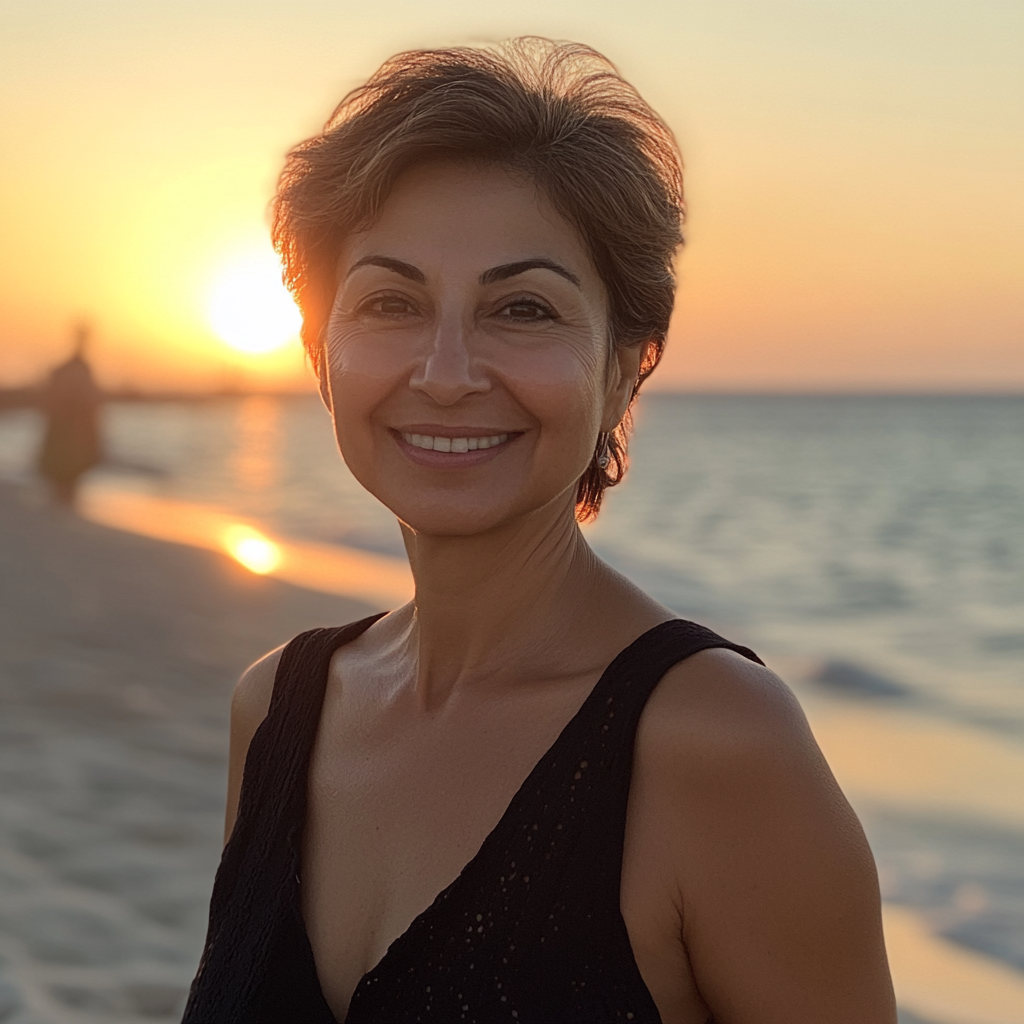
(249, 307)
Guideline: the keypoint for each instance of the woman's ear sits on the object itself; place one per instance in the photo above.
(624, 369)
(324, 387)
(323, 383)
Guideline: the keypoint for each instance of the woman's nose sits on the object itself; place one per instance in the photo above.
(448, 370)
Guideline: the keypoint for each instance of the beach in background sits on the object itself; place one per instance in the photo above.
(870, 548)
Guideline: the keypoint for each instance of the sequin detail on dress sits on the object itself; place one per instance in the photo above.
(529, 933)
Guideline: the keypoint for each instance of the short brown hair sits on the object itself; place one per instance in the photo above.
(558, 112)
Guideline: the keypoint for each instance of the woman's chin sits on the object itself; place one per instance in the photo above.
(452, 518)
(452, 522)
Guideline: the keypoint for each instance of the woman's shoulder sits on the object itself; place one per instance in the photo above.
(721, 728)
(249, 706)
(724, 739)
(255, 688)
(768, 859)
(251, 699)
(719, 702)
(724, 742)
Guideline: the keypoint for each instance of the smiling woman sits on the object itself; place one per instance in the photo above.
(532, 794)
(517, 349)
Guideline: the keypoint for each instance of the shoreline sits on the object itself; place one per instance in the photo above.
(324, 568)
(119, 654)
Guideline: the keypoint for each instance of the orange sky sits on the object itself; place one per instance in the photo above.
(854, 175)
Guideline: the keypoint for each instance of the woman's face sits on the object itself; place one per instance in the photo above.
(467, 356)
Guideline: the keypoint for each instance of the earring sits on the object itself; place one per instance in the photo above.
(602, 451)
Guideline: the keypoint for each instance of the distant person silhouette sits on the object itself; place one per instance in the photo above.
(71, 444)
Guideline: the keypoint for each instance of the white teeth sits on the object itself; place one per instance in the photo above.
(457, 445)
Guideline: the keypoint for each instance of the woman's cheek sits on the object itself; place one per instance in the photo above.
(366, 369)
(358, 384)
(562, 386)
(358, 354)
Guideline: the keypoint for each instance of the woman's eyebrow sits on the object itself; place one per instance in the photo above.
(405, 269)
(507, 270)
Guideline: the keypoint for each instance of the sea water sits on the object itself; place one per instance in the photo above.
(882, 536)
(883, 533)
(878, 540)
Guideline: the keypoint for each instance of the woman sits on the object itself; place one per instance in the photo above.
(533, 794)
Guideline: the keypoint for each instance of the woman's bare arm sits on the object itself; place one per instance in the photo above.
(249, 706)
(777, 889)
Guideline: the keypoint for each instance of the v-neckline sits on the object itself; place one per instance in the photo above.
(496, 831)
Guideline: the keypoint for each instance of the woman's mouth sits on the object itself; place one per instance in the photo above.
(452, 450)
(457, 445)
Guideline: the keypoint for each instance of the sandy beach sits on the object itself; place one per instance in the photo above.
(117, 656)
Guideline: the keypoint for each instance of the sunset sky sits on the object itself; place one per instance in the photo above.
(855, 174)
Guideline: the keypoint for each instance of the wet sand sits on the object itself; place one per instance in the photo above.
(957, 793)
(117, 656)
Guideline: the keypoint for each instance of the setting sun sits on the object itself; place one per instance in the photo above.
(250, 308)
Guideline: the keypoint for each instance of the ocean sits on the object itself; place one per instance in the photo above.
(881, 535)
(877, 542)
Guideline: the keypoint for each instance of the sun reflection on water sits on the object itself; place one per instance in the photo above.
(251, 548)
(255, 463)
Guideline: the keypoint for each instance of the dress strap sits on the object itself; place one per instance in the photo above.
(632, 677)
(607, 725)
(254, 899)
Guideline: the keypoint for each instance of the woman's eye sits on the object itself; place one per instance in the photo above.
(388, 306)
(526, 311)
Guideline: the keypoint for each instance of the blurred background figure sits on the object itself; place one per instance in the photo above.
(71, 403)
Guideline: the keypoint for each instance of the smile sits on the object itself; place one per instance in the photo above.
(454, 444)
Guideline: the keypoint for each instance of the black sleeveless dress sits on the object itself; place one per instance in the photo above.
(529, 933)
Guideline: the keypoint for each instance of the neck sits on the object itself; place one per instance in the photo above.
(496, 606)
